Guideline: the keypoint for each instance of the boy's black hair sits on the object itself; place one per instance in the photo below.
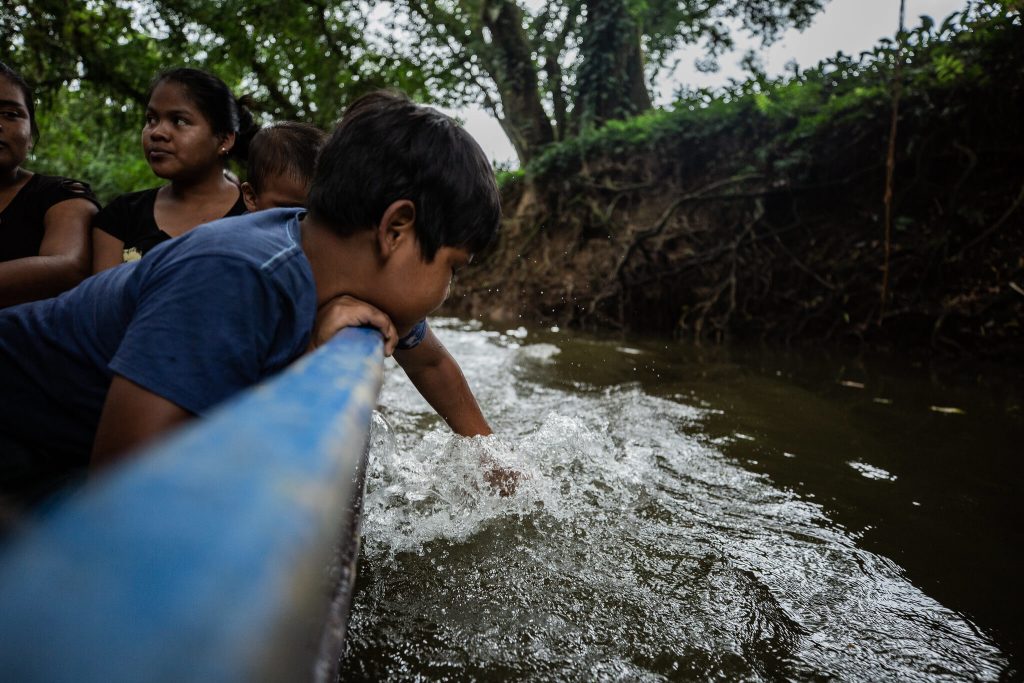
(283, 148)
(387, 148)
(30, 103)
(225, 112)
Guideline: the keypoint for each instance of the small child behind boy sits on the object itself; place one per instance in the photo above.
(282, 160)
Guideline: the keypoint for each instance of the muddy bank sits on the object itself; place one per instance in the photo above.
(747, 227)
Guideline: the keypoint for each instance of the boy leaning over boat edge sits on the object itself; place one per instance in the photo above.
(402, 198)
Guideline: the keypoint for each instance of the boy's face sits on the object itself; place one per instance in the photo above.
(279, 191)
(417, 288)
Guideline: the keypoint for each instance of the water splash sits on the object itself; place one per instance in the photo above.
(632, 550)
(436, 489)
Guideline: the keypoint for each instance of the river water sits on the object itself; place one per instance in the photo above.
(693, 514)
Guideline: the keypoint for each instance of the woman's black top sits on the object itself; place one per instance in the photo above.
(22, 224)
(130, 219)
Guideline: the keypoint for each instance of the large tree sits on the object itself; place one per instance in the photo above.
(92, 60)
(545, 70)
(299, 59)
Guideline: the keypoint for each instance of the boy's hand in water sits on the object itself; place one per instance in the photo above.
(346, 311)
(503, 480)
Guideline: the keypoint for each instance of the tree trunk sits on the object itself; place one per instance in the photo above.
(511, 66)
(610, 80)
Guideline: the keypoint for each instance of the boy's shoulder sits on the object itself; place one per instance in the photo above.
(254, 251)
(258, 238)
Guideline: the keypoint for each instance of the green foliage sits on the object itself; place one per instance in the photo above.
(103, 149)
(641, 134)
(92, 60)
(781, 118)
(948, 68)
(545, 70)
(300, 60)
(508, 178)
(669, 24)
(590, 60)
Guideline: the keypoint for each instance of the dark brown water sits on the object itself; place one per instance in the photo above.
(727, 513)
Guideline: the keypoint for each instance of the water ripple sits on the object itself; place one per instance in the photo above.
(633, 550)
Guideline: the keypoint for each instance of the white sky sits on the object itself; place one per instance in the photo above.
(850, 26)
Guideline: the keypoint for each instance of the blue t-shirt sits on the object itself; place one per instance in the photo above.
(200, 318)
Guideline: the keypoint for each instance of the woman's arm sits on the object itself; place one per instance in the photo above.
(63, 260)
(107, 250)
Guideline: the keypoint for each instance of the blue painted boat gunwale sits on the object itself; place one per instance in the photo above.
(203, 558)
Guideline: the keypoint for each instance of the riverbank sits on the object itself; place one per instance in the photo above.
(759, 214)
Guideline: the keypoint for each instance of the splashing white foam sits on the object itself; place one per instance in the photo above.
(436, 487)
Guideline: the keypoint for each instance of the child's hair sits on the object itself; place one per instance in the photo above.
(30, 103)
(387, 148)
(225, 112)
(285, 148)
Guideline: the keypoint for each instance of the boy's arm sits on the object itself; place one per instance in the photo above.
(204, 328)
(131, 416)
(440, 381)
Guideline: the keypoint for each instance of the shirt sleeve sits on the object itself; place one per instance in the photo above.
(202, 331)
(63, 189)
(110, 219)
(415, 336)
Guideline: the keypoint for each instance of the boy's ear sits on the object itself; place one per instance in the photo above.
(397, 227)
(249, 197)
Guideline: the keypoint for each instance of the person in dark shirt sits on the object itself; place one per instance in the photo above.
(44, 220)
(193, 126)
(401, 199)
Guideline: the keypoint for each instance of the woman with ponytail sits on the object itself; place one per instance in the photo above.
(193, 126)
